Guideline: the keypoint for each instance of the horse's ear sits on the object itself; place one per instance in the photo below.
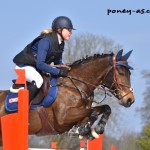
(126, 56)
(119, 55)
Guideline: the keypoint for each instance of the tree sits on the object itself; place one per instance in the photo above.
(145, 109)
(85, 44)
(126, 142)
(144, 140)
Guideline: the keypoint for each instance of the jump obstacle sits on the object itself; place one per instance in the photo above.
(15, 126)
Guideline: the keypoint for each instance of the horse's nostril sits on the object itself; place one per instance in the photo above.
(119, 96)
(129, 102)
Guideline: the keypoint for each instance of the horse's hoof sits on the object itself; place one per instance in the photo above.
(94, 134)
(99, 129)
(84, 130)
(90, 136)
(81, 137)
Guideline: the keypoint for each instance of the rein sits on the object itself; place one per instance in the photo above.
(103, 85)
(102, 88)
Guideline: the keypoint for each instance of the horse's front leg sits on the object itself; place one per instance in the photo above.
(87, 130)
(100, 126)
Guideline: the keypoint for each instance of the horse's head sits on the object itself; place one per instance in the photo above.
(110, 70)
(118, 79)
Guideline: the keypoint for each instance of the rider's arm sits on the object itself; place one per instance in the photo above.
(59, 61)
(44, 47)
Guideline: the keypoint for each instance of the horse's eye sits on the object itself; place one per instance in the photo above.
(121, 73)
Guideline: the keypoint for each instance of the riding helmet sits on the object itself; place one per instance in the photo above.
(62, 22)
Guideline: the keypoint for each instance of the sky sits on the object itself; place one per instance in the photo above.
(22, 21)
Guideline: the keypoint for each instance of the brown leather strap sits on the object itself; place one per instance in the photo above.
(47, 128)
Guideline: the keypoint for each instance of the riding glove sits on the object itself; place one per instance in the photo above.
(63, 72)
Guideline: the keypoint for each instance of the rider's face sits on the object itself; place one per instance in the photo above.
(66, 33)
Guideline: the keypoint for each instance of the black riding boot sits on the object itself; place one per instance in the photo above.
(33, 90)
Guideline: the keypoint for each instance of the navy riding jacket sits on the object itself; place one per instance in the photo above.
(41, 49)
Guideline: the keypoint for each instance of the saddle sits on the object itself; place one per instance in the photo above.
(43, 90)
(40, 94)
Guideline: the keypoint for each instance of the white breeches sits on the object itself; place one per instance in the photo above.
(32, 75)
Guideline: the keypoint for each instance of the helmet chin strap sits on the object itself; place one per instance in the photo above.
(60, 33)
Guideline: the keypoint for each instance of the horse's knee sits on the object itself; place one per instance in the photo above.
(99, 129)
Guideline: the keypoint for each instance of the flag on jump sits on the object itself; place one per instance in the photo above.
(21, 76)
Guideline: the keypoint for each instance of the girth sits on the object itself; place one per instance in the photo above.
(47, 128)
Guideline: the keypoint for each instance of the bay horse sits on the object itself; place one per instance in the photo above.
(72, 107)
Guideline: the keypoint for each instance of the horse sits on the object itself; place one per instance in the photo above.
(73, 104)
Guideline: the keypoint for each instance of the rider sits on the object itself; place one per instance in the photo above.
(37, 56)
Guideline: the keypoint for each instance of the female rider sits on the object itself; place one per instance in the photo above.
(37, 56)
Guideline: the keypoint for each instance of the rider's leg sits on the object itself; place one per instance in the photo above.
(34, 78)
(33, 90)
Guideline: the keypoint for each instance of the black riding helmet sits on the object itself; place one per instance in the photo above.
(62, 22)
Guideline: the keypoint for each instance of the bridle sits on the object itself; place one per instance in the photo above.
(118, 86)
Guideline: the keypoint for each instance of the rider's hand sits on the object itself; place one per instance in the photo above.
(61, 66)
(63, 72)
(66, 66)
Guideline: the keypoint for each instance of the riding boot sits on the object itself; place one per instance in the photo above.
(33, 90)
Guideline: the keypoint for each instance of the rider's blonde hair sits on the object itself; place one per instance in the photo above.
(46, 31)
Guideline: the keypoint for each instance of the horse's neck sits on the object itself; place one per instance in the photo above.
(92, 71)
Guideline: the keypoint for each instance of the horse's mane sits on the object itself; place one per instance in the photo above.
(87, 58)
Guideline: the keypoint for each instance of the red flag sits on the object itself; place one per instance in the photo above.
(21, 76)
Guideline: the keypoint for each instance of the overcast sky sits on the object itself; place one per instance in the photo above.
(22, 21)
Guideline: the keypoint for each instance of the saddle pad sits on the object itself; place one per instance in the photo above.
(52, 94)
(11, 101)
